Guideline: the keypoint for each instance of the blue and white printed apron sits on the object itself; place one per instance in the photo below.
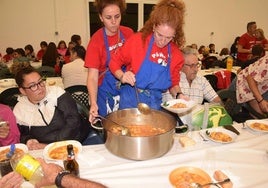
(108, 91)
(151, 80)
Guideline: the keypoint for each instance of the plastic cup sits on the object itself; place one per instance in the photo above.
(5, 167)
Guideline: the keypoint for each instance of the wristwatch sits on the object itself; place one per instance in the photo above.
(60, 176)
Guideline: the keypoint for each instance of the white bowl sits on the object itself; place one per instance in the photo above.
(168, 105)
(23, 147)
(55, 145)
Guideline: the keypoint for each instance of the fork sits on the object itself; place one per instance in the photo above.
(197, 185)
(203, 138)
(243, 125)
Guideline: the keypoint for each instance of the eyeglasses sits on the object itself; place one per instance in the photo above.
(197, 65)
(160, 36)
(34, 86)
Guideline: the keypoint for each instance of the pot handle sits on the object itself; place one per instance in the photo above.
(97, 123)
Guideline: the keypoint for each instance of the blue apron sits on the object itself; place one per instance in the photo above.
(108, 91)
(151, 80)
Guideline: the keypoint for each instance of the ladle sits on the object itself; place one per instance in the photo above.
(142, 107)
(198, 185)
(124, 130)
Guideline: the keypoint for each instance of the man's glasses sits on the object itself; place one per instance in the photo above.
(197, 65)
(34, 86)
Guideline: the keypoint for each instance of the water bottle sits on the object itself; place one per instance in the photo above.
(229, 63)
(28, 167)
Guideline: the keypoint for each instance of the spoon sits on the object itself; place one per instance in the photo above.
(198, 185)
(124, 130)
(142, 107)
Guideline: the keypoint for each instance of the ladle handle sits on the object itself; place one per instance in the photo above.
(136, 91)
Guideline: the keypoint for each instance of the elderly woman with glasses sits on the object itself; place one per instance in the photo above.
(46, 114)
(152, 57)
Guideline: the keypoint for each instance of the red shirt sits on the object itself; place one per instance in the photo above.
(96, 55)
(134, 51)
(7, 57)
(247, 42)
(40, 54)
(262, 42)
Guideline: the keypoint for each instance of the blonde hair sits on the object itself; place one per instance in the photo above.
(261, 33)
(170, 12)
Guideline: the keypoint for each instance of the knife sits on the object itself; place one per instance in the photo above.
(231, 128)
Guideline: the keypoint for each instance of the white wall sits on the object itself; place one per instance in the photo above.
(31, 21)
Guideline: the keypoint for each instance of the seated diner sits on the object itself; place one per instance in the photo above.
(46, 114)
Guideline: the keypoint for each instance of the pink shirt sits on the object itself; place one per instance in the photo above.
(13, 137)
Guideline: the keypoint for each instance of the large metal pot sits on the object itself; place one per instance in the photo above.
(139, 148)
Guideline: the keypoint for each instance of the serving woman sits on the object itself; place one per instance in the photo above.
(102, 85)
(152, 57)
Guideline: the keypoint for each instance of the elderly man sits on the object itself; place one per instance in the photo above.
(192, 85)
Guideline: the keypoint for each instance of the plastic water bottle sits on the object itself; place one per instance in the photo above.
(28, 167)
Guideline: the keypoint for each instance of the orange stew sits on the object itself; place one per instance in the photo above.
(5, 151)
(140, 130)
(219, 136)
(184, 179)
(259, 126)
(60, 152)
(178, 105)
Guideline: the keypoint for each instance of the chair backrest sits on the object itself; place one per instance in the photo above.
(228, 98)
(9, 96)
(79, 93)
(5, 73)
(233, 76)
(209, 62)
(46, 71)
(213, 80)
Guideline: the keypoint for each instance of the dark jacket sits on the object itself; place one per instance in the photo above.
(66, 124)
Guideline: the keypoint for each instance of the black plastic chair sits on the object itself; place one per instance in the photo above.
(79, 93)
(5, 73)
(213, 80)
(9, 96)
(210, 62)
(239, 112)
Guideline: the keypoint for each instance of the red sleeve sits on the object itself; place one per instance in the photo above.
(131, 54)
(177, 62)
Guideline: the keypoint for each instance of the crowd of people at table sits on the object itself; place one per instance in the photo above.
(115, 63)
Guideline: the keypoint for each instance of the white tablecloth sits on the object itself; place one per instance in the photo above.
(245, 161)
(204, 72)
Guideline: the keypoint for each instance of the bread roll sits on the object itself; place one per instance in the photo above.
(186, 141)
(51, 83)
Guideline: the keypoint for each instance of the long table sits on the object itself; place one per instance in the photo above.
(245, 161)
